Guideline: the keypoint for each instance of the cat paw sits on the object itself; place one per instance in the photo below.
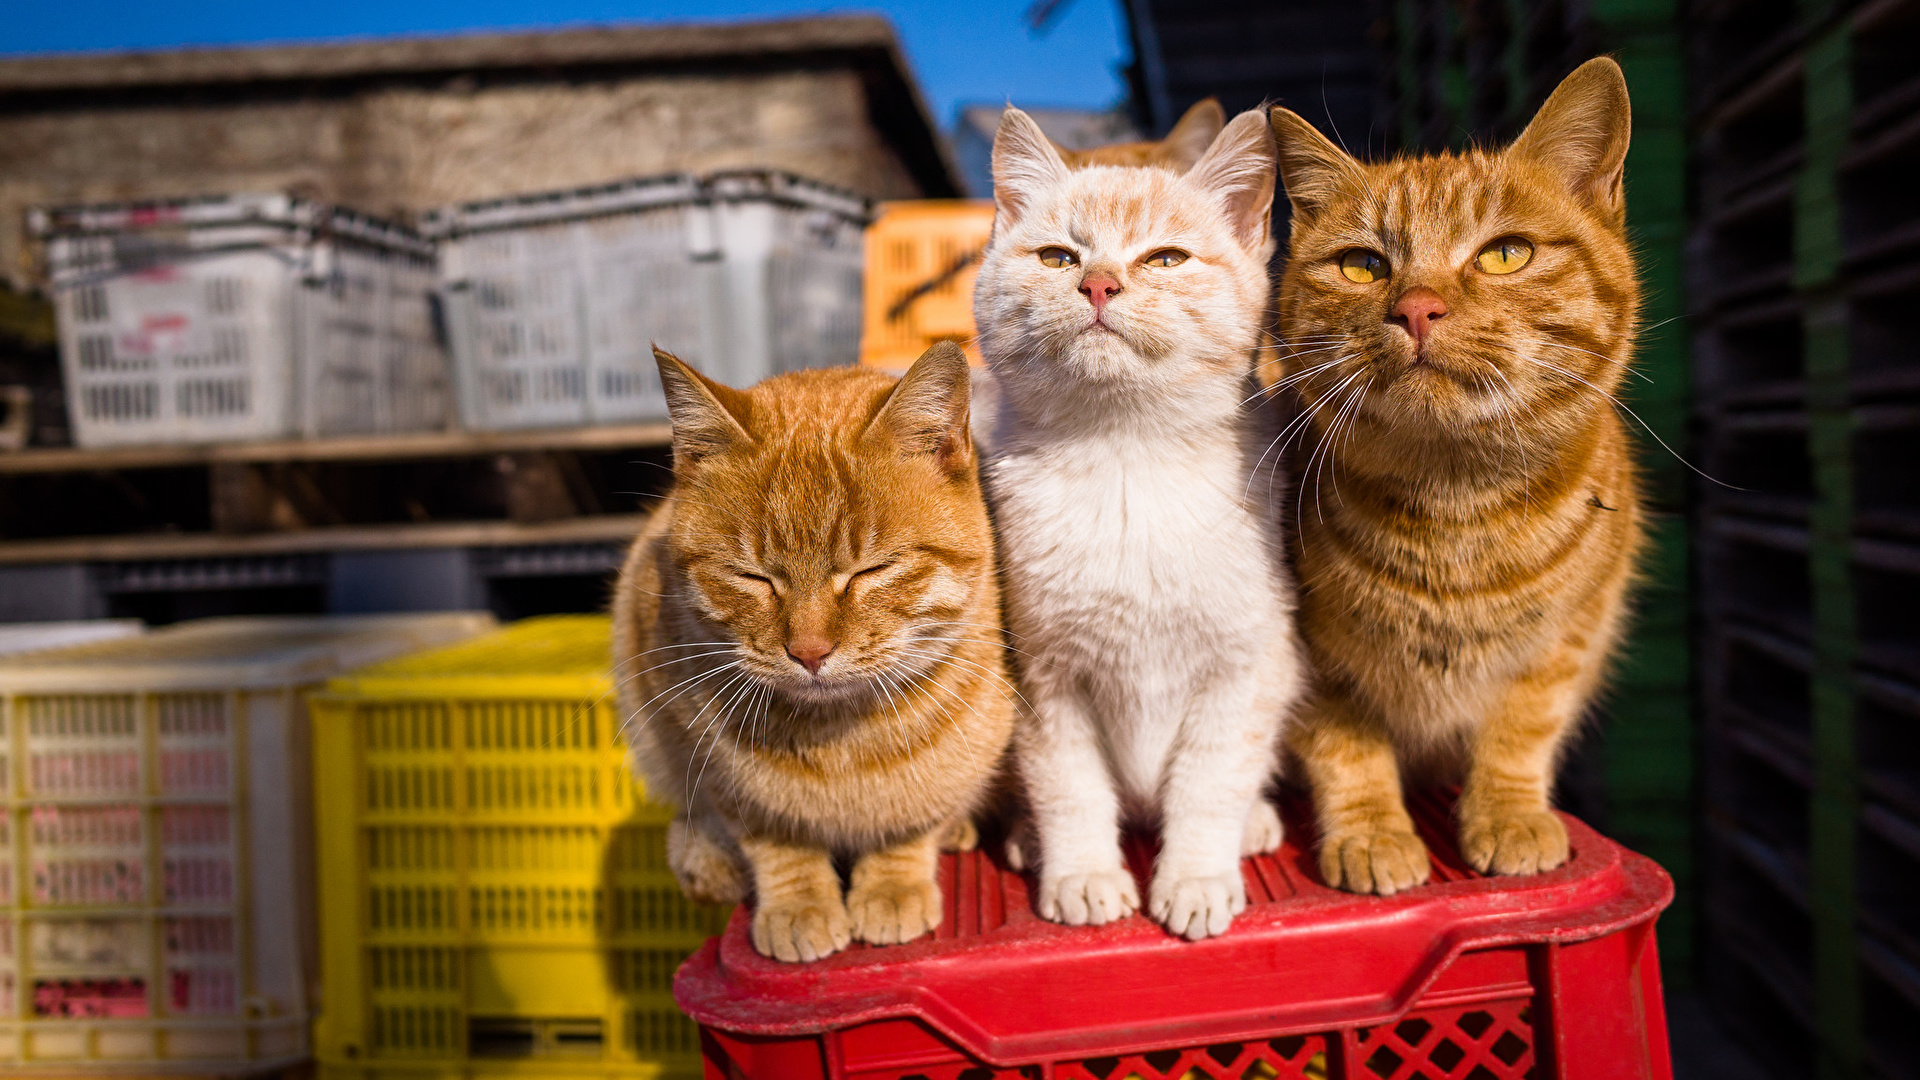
(1383, 862)
(1018, 847)
(1264, 831)
(707, 872)
(960, 835)
(894, 912)
(1089, 899)
(1197, 907)
(802, 928)
(1517, 843)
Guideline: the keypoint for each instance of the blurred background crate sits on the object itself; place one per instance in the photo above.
(494, 893)
(241, 317)
(554, 300)
(32, 637)
(922, 258)
(1805, 399)
(156, 880)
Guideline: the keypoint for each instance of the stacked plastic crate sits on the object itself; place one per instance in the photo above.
(241, 317)
(1806, 270)
(495, 899)
(155, 842)
(922, 259)
(1460, 72)
(554, 301)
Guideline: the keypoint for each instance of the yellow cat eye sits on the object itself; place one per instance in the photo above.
(1166, 257)
(1058, 257)
(1505, 255)
(1363, 267)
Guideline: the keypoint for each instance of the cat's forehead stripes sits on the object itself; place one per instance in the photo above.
(1116, 207)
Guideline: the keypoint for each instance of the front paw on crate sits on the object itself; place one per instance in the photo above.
(960, 835)
(801, 928)
(1524, 842)
(707, 872)
(1196, 907)
(1264, 832)
(1088, 899)
(893, 912)
(1383, 861)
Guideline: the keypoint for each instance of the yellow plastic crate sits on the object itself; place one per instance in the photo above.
(156, 855)
(495, 898)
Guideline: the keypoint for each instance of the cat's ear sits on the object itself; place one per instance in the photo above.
(1312, 168)
(1189, 139)
(926, 412)
(706, 415)
(1237, 170)
(1582, 132)
(1025, 164)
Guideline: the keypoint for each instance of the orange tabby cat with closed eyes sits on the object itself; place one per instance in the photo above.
(807, 635)
(1468, 514)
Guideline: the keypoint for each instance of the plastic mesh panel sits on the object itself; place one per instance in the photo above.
(1492, 1041)
(1294, 1058)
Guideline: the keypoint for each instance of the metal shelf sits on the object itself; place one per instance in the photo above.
(352, 448)
(599, 527)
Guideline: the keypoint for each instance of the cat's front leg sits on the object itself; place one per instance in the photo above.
(797, 913)
(1506, 826)
(1367, 842)
(703, 858)
(1219, 763)
(894, 896)
(1075, 813)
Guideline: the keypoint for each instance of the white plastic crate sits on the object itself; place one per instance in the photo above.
(241, 317)
(156, 841)
(34, 636)
(794, 255)
(554, 301)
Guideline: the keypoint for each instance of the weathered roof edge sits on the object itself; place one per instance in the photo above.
(676, 43)
(470, 52)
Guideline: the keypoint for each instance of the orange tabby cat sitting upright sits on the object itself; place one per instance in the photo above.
(807, 636)
(1184, 145)
(1466, 499)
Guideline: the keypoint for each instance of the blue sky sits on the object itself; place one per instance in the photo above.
(961, 50)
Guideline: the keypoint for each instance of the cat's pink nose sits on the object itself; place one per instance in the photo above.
(810, 652)
(1416, 311)
(1098, 289)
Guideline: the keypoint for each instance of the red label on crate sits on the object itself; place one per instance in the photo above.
(90, 998)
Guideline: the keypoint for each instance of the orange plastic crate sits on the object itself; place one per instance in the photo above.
(922, 258)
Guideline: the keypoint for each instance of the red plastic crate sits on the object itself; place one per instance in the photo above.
(1466, 978)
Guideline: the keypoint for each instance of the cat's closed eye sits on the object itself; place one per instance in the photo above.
(1505, 255)
(1058, 257)
(1363, 267)
(756, 583)
(866, 573)
(1166, 257)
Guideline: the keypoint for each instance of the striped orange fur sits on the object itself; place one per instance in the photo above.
(1467, 508)
(807, 635)
(1183, 146)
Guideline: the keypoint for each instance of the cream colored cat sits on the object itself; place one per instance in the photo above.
(1118, 308)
